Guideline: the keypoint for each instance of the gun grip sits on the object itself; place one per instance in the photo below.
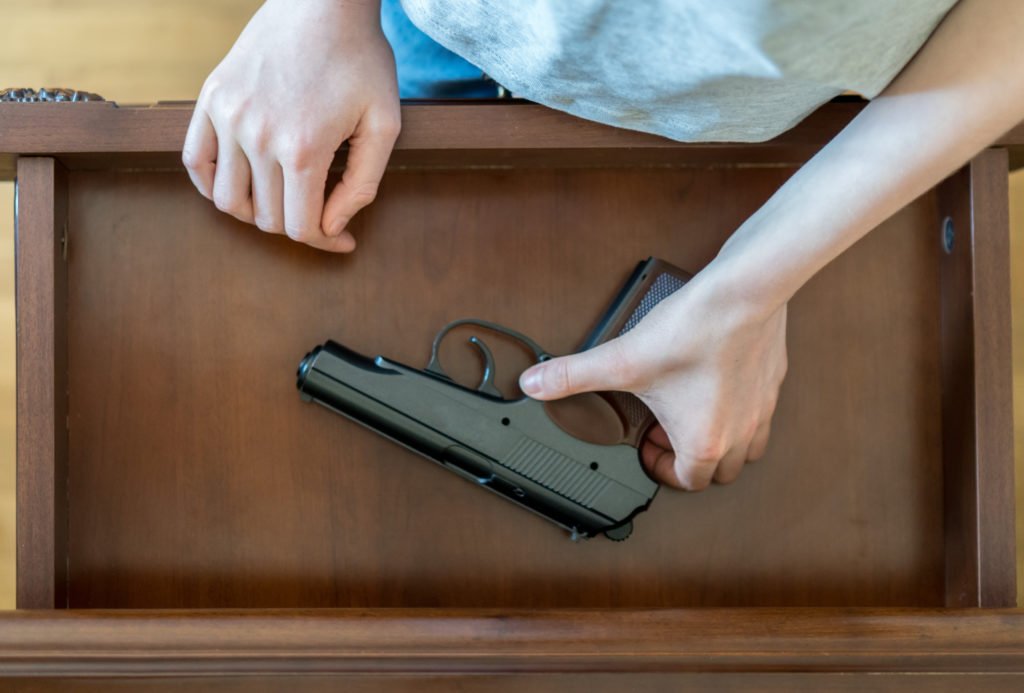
(651, 282)
(637, 419)
(592, 416)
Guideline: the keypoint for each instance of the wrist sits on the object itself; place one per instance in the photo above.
(751, 291)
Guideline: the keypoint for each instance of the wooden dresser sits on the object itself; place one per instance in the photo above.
(184, 518)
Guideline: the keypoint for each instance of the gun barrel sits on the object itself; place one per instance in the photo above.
(480, 438)
(355, 403)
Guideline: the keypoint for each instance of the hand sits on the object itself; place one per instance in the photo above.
(302, 78)
(708, 368)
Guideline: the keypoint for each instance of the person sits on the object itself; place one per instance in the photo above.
(944, 80)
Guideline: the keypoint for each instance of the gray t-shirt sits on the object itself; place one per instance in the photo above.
(691, 70)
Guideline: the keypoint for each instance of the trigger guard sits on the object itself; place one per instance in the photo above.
(434, 365)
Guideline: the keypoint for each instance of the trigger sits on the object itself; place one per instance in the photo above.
(486, 385)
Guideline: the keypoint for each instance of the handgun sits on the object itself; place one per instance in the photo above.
(512, 447)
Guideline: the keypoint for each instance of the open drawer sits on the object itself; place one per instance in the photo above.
(166, 462)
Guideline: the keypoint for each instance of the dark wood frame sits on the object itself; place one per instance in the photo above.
(977, 446)
(503, 132)
(42, 438)
(84, 643)
(977, 379)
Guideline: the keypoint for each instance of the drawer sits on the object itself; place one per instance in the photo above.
(166, 462)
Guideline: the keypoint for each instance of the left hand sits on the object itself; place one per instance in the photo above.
(302, 78)
(709, 366)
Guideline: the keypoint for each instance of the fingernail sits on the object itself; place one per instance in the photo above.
(529, 382)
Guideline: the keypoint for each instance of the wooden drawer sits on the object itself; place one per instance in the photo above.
(166, 462)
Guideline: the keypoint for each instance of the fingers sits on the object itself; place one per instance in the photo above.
(200, 152)
(658, 436)
(759, 443)
(303, 205)
(731, 465)
(604, 367)
(369, 149)
(285, 193)
(659, 463)
(253, 187)
(267, 200)
(695, 473)
(231, 185)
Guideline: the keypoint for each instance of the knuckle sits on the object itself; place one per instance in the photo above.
(558, 377)
(364, 194)
(299, 154)
(694, 482)
(208, 94)
(258, 136)
(225, 117)
(226, 202)
(191, 159)
(388, 128)
(709, 449)
(221, 201)
(297, 160)
(234, 113)
(268, 225)
(299, 232)
(211, 88)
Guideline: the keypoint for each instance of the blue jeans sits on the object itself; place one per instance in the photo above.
(426, 69)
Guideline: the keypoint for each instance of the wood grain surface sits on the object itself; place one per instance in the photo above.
(484, 126)
(459, 134)
(488, 642)
(434, 133)
(99, 37)
(42, 384)
(769, 682)
(198, 478)
(8, 400)
(170, 48)
(977, 387)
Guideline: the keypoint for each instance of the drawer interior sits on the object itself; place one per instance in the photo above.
(197, 478)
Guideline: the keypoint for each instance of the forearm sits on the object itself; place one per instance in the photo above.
(963, 90)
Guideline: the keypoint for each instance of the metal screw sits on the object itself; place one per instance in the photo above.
(948, 235)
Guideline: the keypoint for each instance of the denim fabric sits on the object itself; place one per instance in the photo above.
(426, 69)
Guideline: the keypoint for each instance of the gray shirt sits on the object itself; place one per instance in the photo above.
(691, 70)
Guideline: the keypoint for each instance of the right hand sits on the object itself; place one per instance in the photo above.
(708, 362)
(302, 78)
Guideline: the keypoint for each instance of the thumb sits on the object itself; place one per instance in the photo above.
(600, 368)
(368, 150)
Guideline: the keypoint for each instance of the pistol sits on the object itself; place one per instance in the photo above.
(511, 447)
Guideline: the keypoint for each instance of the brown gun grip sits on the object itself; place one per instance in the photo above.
(651, 282)
(637, 419)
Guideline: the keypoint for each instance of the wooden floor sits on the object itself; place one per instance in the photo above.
(170, 47)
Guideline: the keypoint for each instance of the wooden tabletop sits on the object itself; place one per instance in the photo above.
(433, 132)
